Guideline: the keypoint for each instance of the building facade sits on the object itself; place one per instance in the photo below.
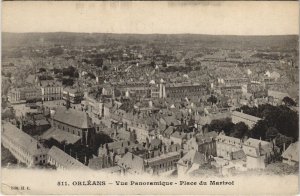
(25, 148)
(249, 120)
(21, 95)
(51, 90)
(74, 122)
(74, 95)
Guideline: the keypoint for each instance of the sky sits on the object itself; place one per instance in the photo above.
(196, 17)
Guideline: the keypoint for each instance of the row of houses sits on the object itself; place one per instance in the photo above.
(250, 154)
(47, 90)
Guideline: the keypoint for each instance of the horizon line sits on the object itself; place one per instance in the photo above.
(153, 33)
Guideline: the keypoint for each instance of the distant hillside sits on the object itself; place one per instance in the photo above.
(221, 41)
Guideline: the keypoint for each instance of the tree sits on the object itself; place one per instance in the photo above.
(56, 70)
(271, 133)
(259, 130)
(42, 70)
(212, 99)
(98, 62)
(288, 101)
(221, 125)
(240, 130)
(164, 64)
(105, 68)
(68, 81)
(69, 71)
(152, 64)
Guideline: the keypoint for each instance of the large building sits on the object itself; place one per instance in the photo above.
(164, 163)
(74, 95)
(246, 118)
(277, 96)
(183, 90)
(71, 124)
(62, 160)
(93, 107)
(190, 162)
(21, 95)
(228, 148)
(135, 89)
(25, 148)
(51, 90)
(258, 153)
(131, 164)
(141, 129)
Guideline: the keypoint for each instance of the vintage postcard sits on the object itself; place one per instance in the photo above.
(154, 97)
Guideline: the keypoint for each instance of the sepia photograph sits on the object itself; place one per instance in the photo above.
(153, 97)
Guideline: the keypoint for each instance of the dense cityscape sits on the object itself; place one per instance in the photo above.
(166, 105)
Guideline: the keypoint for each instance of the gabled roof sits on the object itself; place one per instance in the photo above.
(24, 140)
(179, 135)
(64, 159)
(73, 117)
(229, 140)
(131, 161)
(192, 156)
(171, 120)
(168, 131)
(277, 94)
(255, 142)
(60, 136)
(292, 152)
(245, 116)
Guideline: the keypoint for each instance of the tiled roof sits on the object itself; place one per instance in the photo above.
(64, 159)
(73, 117)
